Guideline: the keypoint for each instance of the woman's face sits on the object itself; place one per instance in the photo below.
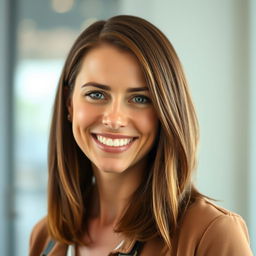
(113, 120)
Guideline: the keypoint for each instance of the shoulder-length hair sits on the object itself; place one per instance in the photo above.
(167, 187)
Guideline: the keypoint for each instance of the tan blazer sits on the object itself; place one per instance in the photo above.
(205, 230)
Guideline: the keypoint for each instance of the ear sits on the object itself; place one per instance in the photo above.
(69, 104)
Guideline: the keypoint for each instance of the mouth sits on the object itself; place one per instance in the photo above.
(113, 143)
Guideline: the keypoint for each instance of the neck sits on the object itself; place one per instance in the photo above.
(112, 193)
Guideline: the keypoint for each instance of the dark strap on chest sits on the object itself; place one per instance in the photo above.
(136, 250)
(48, 248)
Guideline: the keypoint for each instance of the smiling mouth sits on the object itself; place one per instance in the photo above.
(114, 142)
(113, 145)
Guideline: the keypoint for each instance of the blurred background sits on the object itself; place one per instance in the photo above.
(216, 42)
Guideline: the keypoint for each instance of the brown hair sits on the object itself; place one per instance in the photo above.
(168, 189)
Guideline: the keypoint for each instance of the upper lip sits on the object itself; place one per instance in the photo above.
(115, 136)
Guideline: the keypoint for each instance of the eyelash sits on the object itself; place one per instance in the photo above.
(145, 98)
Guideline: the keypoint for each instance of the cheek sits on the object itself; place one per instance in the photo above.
(84, 115)
(147, 122)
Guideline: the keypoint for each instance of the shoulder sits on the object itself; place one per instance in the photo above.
(40, 229)
(208, 229)
(204, 213)
(40, 241)
(39, 238)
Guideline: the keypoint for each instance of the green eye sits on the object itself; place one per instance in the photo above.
(96, 95)
(141, 99)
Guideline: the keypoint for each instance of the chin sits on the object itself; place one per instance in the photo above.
(113, 171)
(112, 168)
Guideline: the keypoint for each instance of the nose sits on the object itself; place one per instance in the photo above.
(114, 116)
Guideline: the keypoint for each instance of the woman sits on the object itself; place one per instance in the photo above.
(122, 151)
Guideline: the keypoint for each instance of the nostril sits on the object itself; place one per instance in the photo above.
(114, 123)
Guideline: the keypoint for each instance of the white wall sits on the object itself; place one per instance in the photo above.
(252, 178)
(5, 129)
(212, 38)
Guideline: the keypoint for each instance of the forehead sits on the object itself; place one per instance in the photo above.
(109, 62)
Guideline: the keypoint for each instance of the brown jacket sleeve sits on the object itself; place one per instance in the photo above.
(210, 230)
(226, 235)
(38, 238)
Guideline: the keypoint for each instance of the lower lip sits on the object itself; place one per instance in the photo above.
(111, 149)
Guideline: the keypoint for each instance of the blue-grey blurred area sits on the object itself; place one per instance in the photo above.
(216, 42)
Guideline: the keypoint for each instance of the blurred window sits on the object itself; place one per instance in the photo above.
(46, 30)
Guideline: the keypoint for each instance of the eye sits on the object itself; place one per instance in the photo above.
(141, 99)
(95, 95)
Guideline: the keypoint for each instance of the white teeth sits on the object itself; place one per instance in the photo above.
(113, 142)
(109, 142)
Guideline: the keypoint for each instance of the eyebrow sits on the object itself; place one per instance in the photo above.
(107, 88)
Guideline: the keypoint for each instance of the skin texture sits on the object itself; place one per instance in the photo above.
(113, 112)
